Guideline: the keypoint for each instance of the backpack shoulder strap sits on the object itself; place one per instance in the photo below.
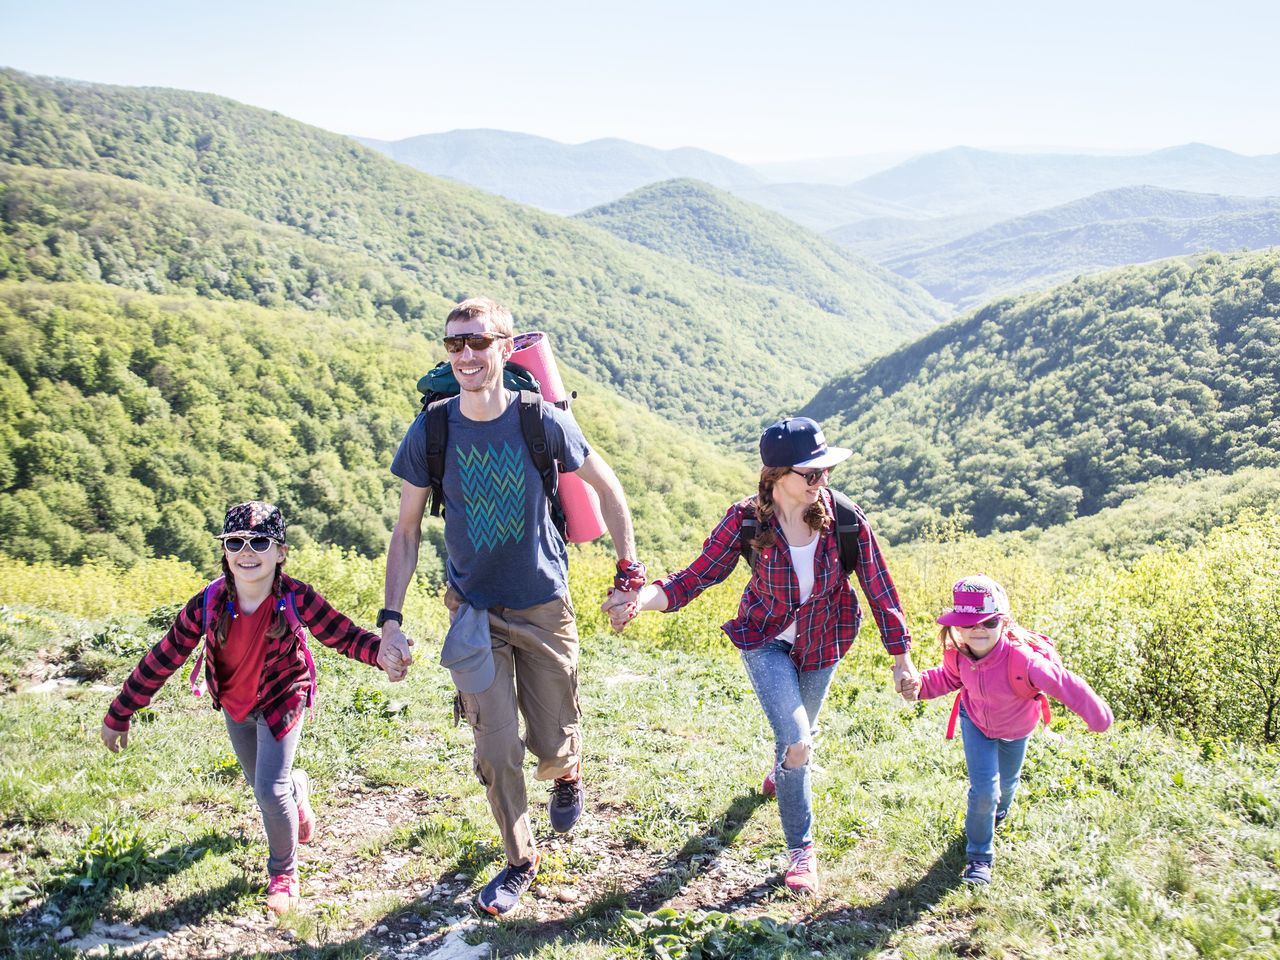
(196, 678)
(437, 437)
(533, 426)
(749, 531)
(1020, 655)
(847, 525)
(210, 595)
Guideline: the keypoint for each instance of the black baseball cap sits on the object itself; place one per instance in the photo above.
(798, 442)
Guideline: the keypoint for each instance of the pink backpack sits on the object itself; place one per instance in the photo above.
(288, 604)
(1025, 645)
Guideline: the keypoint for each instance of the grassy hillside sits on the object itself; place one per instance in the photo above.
(718, 232)
(609, 304)
(561, 177)
(1132, 225)
(1150, 840)
(129, 421)
(1034, 411)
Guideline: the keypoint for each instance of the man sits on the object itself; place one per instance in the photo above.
(513, 644)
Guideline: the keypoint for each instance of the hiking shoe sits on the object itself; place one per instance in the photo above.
(283, 893)
(1001, 817)
(977, 872)
(503, 892)
(802, 870)
(302, 797)
(567, 800)
(770, 786)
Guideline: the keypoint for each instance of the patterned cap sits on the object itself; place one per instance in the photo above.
(974, 599)
(254, 519)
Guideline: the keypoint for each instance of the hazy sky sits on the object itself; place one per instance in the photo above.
(752, 80)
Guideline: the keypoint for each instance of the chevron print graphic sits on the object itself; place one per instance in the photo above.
(493, 493)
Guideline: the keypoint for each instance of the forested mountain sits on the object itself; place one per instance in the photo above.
(1034, 411)
(721, 233)
(610, 305)
(822, 207)
(965, 180)
(561, 177)
(128, 422)
(881, 239)
(1117, 227)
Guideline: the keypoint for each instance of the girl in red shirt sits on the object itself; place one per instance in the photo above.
(259, 673)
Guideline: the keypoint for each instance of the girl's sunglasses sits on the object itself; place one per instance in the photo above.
(988, 624)
(256, 544)
(811, 477)
(476, 341)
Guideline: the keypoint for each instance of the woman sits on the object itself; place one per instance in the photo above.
(798, 616)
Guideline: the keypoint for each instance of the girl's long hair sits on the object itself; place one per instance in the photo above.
(815, 515)
(279, 624)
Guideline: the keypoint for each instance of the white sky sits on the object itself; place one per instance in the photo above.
(754, 81)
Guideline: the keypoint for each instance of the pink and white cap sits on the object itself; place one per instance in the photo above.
(974, 599)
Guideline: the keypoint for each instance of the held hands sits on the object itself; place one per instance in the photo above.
(394, 656)
(621, 606)
(906, 678)
(115, 740)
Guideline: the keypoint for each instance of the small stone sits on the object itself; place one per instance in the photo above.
(381, 929)
(66, 933)
(460, 876)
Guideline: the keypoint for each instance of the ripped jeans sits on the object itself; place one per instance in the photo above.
(791, 700)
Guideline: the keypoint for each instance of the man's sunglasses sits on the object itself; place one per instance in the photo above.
(811, 477)
(476, 341)
(256, 544)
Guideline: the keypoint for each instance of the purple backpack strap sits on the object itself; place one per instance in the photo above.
(289, 604)
(196, 679)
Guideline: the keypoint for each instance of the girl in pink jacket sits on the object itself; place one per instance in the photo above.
(1002, 682)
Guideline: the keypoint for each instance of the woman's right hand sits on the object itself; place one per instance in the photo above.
(116, 740)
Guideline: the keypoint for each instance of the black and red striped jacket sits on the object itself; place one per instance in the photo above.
(282, 696)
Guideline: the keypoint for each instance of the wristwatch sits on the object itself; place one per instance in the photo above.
(384, 615)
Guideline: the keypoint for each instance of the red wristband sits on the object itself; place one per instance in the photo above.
(631, 575)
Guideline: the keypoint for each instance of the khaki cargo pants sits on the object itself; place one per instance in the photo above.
(535, 656)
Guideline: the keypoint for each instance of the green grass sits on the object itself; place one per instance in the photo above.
(1131, 844)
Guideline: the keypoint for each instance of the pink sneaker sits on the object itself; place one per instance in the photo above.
(283, 893)
(302, 796)
(770, 787)
(802, 871)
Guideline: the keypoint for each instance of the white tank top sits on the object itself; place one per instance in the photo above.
(802, 560)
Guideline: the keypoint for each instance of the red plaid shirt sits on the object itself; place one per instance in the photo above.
(282, 693)
(827, 622)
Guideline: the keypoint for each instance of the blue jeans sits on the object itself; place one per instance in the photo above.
(994, 768)
(791, 700)
(267, 764)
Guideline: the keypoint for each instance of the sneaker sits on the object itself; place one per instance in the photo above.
(567, 800)
(1001, 817)
(802, 870)
(977, 872)
(302, 797)
(503, 892)
(283, 893)
(770, 786)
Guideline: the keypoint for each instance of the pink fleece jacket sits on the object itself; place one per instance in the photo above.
(993, 705)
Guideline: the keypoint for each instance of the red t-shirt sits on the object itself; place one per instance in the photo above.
(239, 661)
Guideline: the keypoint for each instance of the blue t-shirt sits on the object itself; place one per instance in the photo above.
(503, 548)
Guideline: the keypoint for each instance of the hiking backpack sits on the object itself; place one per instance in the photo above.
(288, 604)
(1025, 646)
(438, 386)
(846, 532)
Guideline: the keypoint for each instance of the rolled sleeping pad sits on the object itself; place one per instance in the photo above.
(583, 519)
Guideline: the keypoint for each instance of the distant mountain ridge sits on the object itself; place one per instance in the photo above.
(717, 231)
(561, 177)
(1109, 229)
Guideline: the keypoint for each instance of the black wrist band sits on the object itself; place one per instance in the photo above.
(384, 615)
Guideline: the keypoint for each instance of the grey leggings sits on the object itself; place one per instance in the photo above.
(268, 764)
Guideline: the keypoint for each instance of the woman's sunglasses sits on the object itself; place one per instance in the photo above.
(256, 544)
(811, 477)
(476, 341)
